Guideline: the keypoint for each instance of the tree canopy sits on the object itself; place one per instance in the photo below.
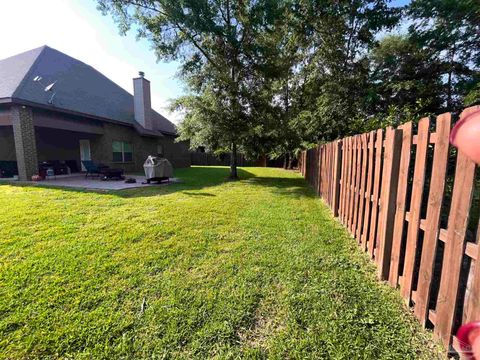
(273, 76)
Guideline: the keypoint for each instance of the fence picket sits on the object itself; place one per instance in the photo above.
(327, 173)
(473, 303)
(391, 162)
(435, 199)
(376, 192)
(415, 208)
(454, 247)
(357, 186)
(348, 184)
(351, 204)
(361, 196)
(401, 199)
(336, 175)
(365, 180)
(347, 181)
(368, 191)
(320, 178)
(342, 179)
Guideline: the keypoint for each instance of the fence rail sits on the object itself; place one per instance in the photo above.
(406, 196)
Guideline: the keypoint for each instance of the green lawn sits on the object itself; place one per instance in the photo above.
(207, 268)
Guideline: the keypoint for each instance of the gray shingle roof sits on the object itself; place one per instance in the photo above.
(79, 87)
(14, 69)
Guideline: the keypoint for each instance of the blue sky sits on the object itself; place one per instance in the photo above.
(400, 2)
(78, 29)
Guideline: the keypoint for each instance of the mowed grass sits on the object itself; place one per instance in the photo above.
(204, 269)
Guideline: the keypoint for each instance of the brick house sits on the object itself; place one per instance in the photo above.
(82, 116)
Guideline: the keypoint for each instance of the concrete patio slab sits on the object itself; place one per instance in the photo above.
(80, 182)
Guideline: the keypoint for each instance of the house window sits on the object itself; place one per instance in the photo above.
(122, 151)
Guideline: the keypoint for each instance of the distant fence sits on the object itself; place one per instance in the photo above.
(406, 197)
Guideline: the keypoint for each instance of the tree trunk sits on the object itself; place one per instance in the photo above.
(233, 162)
(449, 91)
(450, 80)
(290, 161)
(285, 161)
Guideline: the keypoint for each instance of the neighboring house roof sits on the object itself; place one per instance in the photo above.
(79, 87)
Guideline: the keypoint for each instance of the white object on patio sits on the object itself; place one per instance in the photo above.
(157, 168)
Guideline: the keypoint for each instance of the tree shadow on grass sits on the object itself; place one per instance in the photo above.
(195, 180)
(201, 194)
(199, 178)
(285, 186)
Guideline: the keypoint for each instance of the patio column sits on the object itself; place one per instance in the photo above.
(25, 145)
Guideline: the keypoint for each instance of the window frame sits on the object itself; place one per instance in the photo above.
(122, 152)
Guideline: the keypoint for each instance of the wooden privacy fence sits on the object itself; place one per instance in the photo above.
(406, 197)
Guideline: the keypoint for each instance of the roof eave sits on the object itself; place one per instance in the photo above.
(6, 100)
(145, 132)
(169, 133)
(18, 101)
(66, 111)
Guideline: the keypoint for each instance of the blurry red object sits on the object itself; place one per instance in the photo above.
(465, 136)
(469, 339)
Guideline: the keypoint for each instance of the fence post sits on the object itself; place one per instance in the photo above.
(337, 172)
(393, 148)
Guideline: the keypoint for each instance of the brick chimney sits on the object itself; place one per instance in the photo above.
(142, 104)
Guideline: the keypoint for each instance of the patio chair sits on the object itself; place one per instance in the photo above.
(93, 168)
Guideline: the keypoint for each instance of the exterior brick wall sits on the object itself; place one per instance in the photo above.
(101, 148)
(25, 145)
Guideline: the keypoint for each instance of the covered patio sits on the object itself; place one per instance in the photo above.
(34, 141)
(80, 181)
(29, 145)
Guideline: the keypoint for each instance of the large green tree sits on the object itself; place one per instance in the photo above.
(405, 81)
(331, 82)
(451, 30)
(273, 76)
(281, 137)
(227, 53)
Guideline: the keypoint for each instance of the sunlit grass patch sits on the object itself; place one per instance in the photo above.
(205, 268)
